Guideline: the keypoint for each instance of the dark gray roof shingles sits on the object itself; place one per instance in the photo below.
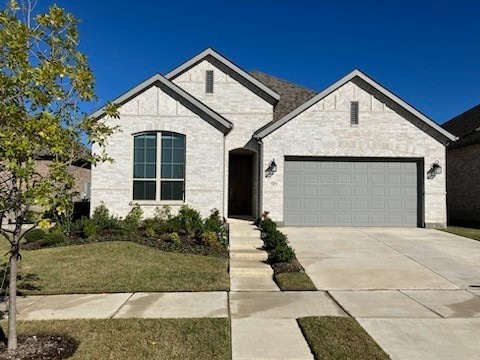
(466, 126)
(291, 95)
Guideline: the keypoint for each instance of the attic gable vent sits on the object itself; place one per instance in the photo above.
(354, 113)
(209, 82)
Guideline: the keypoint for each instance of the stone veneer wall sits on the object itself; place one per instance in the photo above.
(324, 130)
(240, 105)
(463, 183)
(154, 110)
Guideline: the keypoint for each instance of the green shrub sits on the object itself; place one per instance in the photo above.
(190, 220)
(163, 213)
(165, 227)
(268, 226)
(209, 238)
(215, 223)
(34, 235)
(274, 239)
(88, 228)
(132, 220)
(150, 232)
(174, 238)
(283, 253)
(102, 218)
(54, 238)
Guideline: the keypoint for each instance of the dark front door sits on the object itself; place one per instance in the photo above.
(240, 185)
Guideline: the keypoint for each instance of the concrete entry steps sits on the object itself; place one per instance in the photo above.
(248, 269)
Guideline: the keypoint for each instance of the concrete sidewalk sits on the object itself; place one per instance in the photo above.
(123, 305)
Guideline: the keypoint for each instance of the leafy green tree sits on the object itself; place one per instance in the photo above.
(44, 79)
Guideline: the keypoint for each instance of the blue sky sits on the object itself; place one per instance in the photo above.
(426, 52)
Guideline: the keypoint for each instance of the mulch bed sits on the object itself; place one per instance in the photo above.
(45, 347)
(293, 266)
(187, 244)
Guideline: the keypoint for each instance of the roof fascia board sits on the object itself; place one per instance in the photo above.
(269, 128)
(224, 123)
(274, 97)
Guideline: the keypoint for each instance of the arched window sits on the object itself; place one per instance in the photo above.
(159, 166)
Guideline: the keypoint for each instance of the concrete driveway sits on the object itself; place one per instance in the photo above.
(414, 290)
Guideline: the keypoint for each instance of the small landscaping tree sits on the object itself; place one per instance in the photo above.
(43, 80)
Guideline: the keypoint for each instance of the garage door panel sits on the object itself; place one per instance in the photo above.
(292, 205)
(394, 192)
(360, 179)
(310, 191)
(310, 219)
(293, 179)
(377, 179)
(410, 206)
(351, 193)
(309, 205)
(293, 165)
(293, 191)
(327, 179)
(377, 192)
(343, 205)
(360, 205)
(410, 179)
(327, 205)
(310, 179)
(360, 192)
(361, 219)
(344, 179)
(344, 191)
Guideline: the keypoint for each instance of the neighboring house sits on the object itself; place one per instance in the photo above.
(81, 170)
(211, 135)
(463, 166)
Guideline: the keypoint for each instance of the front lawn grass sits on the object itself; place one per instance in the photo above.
(294, 281)
(469, 232)
(139, 338)
(111, 267)
(333, 338)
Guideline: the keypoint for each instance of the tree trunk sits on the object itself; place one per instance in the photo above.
(12, 293)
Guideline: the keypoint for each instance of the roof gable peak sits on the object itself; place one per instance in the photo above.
(261, 89)
(423, 121)
(208, 114)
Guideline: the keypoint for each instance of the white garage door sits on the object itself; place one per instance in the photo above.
(350, 193)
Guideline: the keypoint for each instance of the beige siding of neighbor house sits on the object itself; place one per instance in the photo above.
(82, 176)
(324, 130)
(237, 103)
(463, 179)
(154, 110)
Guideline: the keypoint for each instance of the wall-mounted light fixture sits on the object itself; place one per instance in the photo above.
(271, 169)
(435, 169)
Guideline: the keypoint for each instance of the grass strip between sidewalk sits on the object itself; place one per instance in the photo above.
(294, 281)
(139, 338)
(335, 338)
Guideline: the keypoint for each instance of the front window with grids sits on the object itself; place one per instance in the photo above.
(159, 166)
